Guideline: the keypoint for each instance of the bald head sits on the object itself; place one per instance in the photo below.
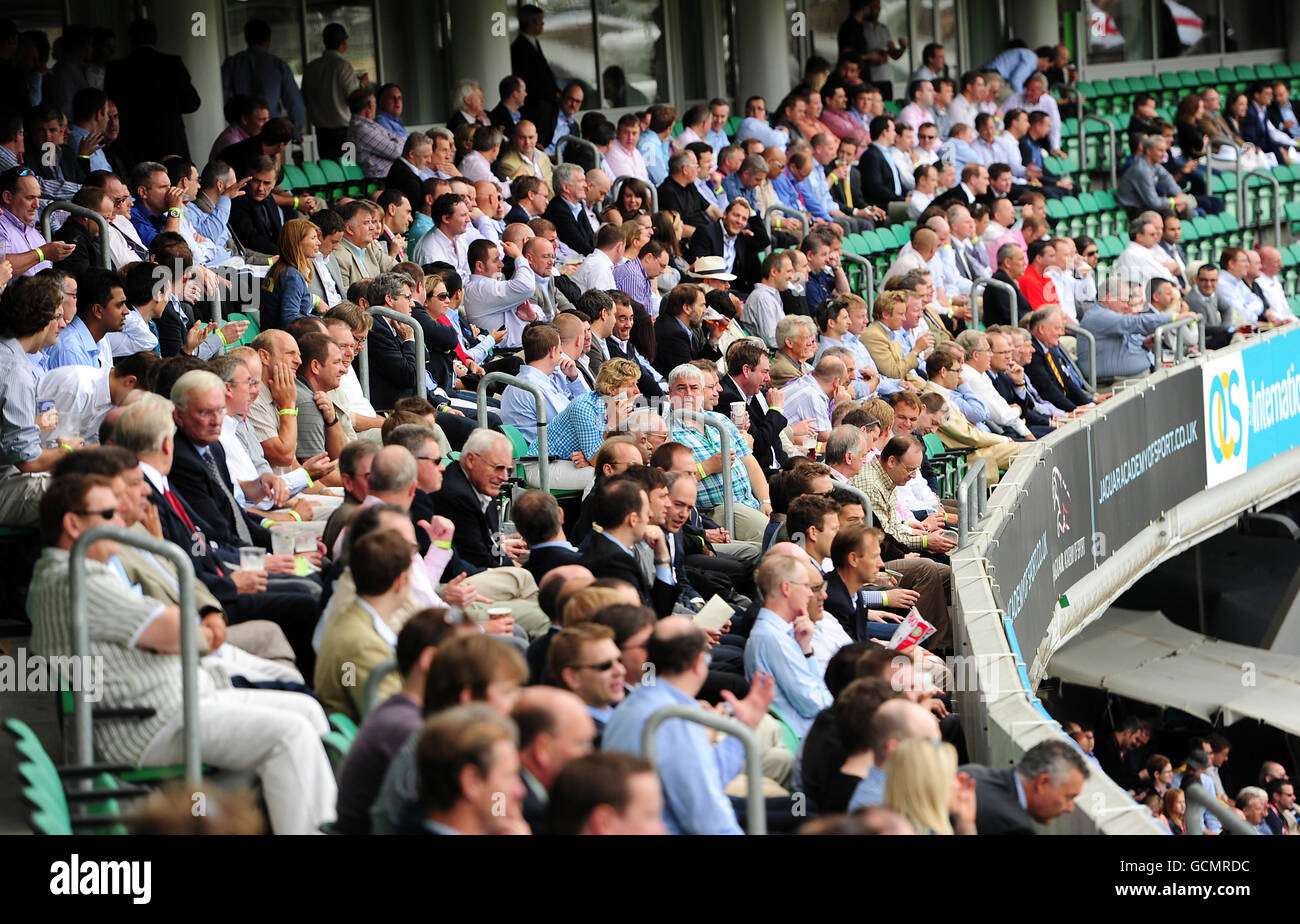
(517, 233)
(567, 573)
(925, 242)
(830, 369)
(393, 473)
(554, 728)
(899, 720)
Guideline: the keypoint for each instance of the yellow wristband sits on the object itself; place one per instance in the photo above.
(267, 523)
(309, 481)
(40, 255)
(288, 412)
(295, 515)
(295, 202)
(884, 599)
(68, 446)
(441, 544)
(925, 542)
(700, 467)
(224, 341)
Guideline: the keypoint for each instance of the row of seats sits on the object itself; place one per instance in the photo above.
(1105, 96)
(329, 178)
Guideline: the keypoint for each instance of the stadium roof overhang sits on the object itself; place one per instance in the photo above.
(1142, 655)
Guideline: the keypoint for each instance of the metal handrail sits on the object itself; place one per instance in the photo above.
(755, 805)
(969, 506)
(363, 373)
(1092, 351)
(539, 401)
(1110, 132)
(870, 268)
(1200, 796)
(619, 183)
(1179, 352)
(62, 205)
(84, 729)
(574, 139)
(977, 287)
(1277, 200)
(1080, 100)
(785, 209)
(370, 692)
(724, 443)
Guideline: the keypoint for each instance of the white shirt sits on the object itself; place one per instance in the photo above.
(332, 294)
(357, 400)
(1235, 294)
(488, 301)
(1000, 412)
(80, 395)
(962, 110)
(1144, 264)
(596, 272)
(762, 311)
(1072, 289)
(134, 337)
(828, 637)
(805, 399)
(120, 254)
(1274, 297)
(907, 260)
(436, 247)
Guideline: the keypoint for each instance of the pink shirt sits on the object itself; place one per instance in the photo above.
(20, 238)
(624, 164)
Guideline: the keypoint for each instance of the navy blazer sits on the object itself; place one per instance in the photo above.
(401, 177)
(997, 310)
(877, 178)
(575, 232)
(207, 568)
(475, 527)
(542, 561)
(1065, 394)
(708, 242)
(1007, 389)
(673, 345)
(191, 480)
(765, 429)
(606, 559)
(997, 802)
(392, 366)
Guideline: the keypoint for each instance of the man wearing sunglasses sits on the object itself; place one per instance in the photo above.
(20, 201)
(586, 660)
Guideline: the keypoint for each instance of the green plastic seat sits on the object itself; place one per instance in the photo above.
(250, 333)
(293, 179)
(315, 175)
(343, 725)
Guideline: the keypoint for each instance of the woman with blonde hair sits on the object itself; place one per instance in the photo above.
(286, 292)
(636, 234)
(923, 785)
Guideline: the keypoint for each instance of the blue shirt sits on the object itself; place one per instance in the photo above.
(655, 154)
(97, 161)
(392, 123)
(733, 187)
(75, 347)
(871, 791)
(818, 287)
(563, 126)
(519, 409)
(580, 427)
(800, 692)
(788, 193)
(692, 772)
(818, 194)
(212, 225)
(757, 128)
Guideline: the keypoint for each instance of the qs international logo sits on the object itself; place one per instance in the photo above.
(1227, 416)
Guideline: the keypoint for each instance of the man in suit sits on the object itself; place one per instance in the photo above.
(956, 430)
(566, 209)
(360, 255)
(1051, 776)
(506, 113)
(622, 510)
(1048, 370)
(147, 428)
(540, 254)
(680, 313)
(749, 382)
(391, 347)
(1012, 263)
(404, 174)
(881, 182)
(619, 346)
(471, 488)
(152, 91)
(1203, 298)
(738, 238)
(1170, 243)
(528, 62)
(255, 219)
(524, 158)
(888, 312)
(540, 522)
(530, 197)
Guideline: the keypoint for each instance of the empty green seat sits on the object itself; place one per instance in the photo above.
(293, 178)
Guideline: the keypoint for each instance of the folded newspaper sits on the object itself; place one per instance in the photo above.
(911, 632)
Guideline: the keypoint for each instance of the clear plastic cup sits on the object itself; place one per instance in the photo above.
(737, 412)
(304, 540)
(252, 558)
(282, 539)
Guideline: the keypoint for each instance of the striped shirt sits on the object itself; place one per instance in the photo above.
(132, 676)
(703, 444)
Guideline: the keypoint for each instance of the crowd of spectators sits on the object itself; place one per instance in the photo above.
(334, 525)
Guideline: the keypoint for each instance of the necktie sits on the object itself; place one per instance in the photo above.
(153, 329)
(210, 463)
(1056, 372)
